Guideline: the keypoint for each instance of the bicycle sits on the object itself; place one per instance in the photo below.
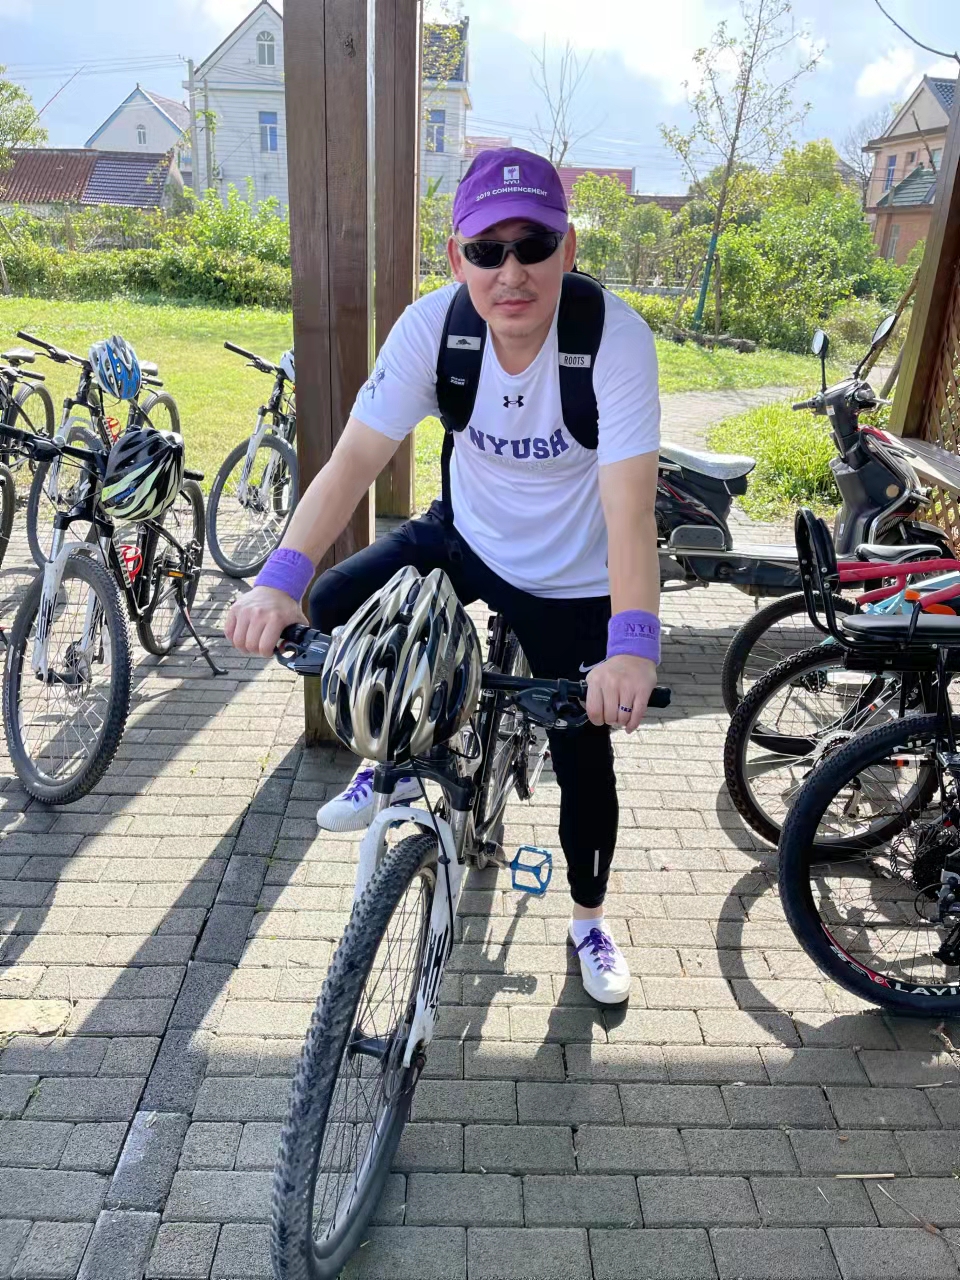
(255, 491)
(882, 918)
(48, 490)
(24, 400)
(367, 1043)
(66, 688)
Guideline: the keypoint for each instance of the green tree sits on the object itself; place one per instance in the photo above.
(743, 110)
(805, 173)
(436, 216)
(644, 239)
(599, 208)
(19, 125)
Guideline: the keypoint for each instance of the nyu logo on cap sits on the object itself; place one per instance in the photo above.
(509, 183)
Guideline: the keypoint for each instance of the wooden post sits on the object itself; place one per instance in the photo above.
(327, 85)
(397, 202)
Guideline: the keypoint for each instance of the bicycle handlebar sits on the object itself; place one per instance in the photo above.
(43, 449)
(266, 366)
(56, 354)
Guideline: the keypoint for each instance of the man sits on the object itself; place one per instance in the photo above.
(549, 532)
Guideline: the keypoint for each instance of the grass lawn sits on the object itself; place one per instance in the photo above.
(218, 394)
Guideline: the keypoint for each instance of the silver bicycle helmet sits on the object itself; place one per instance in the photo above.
(116, 367)
(403, 675)
(288, 365)
(143, 475)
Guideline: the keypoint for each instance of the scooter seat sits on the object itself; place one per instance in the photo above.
(897, 554)
(931, 628)
(718, 466)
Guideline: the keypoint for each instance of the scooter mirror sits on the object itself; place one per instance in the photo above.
(882, 329)
(820, 343)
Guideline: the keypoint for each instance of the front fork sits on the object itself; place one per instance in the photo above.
(252, 446)
(61, 548)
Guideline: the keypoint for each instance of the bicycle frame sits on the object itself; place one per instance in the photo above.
(283, 425)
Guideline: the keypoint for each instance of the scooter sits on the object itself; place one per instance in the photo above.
(878, 476)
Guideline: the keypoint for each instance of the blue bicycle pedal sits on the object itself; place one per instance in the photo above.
(531, 874)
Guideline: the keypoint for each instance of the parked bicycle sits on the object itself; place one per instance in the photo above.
(50, 490)
(66, 688)
(24, 400)
(881, 914)
(883, 482)
(255, 490)
(367, 1043)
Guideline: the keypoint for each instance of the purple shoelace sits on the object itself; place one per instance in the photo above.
(602, 948)
(362, 783)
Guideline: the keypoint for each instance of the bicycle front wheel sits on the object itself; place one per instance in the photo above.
(8, 504)
(63, 730)
(871, 920)
(172, 572)
(351, 1093)
(776, 631)
(797, 714)
(247, 523)
(55, 487)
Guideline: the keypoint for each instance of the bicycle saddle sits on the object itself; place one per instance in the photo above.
(18, 355)
(149, 368)
(896, 554)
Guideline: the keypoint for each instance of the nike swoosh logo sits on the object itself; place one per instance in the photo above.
(585, 669)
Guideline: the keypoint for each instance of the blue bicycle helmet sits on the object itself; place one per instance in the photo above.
(116, 367)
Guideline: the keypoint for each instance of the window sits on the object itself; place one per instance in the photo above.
(436, 123)
(891, 170)
(268, 131)
(266, 50)
(911, 159)
(141, 135)
(893, 239)
(937, 153)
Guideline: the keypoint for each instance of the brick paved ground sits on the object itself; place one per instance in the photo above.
(179, 921)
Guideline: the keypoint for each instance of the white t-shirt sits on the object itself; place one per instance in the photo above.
(525, 495)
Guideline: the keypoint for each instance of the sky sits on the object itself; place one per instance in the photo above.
(639, 51)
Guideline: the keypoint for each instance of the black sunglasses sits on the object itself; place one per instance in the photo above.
(528, 251)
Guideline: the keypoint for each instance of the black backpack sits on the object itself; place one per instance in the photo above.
(579, 330)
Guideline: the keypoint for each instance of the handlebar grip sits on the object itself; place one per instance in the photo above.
(660, 697)
(194, 475)
(805, 404)
(240, 351)
(37, 342)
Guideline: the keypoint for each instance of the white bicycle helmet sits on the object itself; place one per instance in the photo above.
(116, 367)
(288, 366)
(143, 475)
(403, 675)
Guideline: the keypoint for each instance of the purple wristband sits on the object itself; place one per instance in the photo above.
(286, 570)
(636, 632)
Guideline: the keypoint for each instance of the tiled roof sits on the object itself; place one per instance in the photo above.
(917, 188)
(445, 50)
(945, 90)
(47, 176)
(570, 173)
(127, 178)
(177, 111)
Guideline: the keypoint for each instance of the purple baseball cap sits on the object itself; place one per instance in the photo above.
(509, 183)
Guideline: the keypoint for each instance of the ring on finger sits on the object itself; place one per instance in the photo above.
(625, 709)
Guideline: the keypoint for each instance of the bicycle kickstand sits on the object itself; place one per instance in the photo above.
(185, 614)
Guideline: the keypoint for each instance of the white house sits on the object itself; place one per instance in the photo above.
(238, 106)
(147, 123)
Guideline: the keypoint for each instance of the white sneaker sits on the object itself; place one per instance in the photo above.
(352, 809)
(602, 966)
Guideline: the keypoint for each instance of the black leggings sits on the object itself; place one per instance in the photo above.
(559, 638)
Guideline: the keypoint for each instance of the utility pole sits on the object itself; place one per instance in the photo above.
(207, 133)
(194, 132)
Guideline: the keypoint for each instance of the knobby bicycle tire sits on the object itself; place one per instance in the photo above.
(796, 864)
(262, 548)
(8, 505)
(749, 637)
(156, 548)
(747, 722)
(165, 399)
(37, 499)
(293, 1248)
(35, 781)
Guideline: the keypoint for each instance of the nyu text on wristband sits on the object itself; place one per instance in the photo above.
(286, 570)
(635, 632)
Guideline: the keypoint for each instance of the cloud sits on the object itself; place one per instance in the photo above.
(655, 41)
(16, 10)
(887, 75)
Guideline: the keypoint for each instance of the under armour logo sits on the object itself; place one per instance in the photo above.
(507, 402)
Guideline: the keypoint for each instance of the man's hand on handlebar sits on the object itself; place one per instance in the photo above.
(257, 618)
(618, 691)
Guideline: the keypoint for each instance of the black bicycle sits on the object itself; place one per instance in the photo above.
(54, 482)
(66, 688)
(255, 490)
(880, 912)
(367, 1043)
(24, 400)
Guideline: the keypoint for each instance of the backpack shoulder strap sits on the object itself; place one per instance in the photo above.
(579, 331)
(459, 360)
